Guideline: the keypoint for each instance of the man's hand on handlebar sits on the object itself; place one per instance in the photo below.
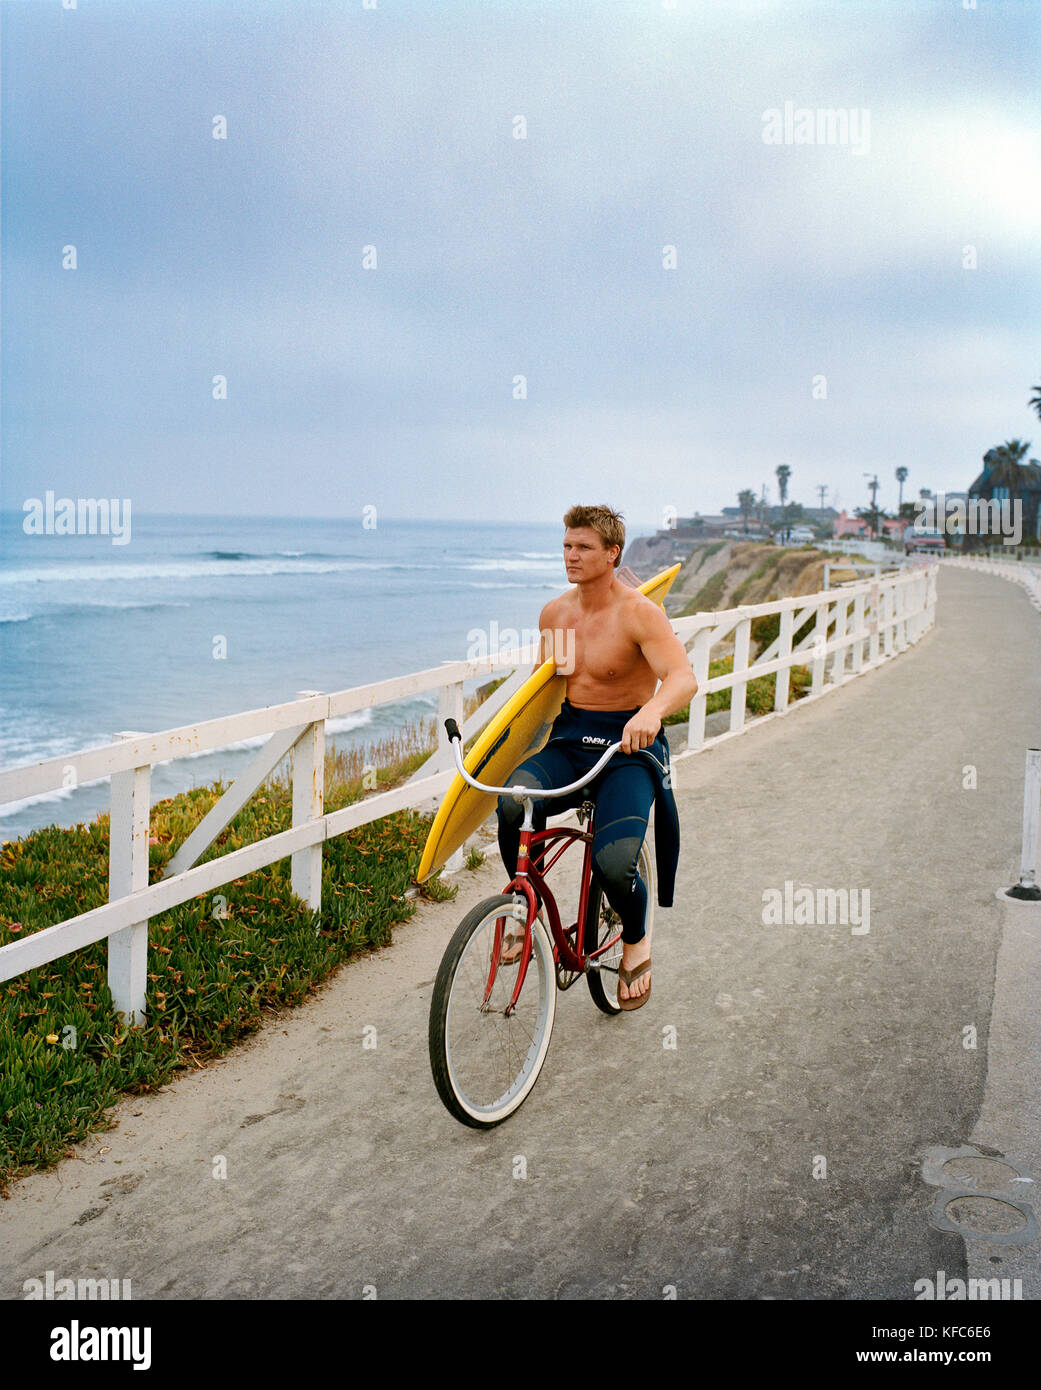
(640, 732)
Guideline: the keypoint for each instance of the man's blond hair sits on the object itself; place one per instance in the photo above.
(608, 525)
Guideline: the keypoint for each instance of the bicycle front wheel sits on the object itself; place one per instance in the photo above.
(602, 923)
(485, 1063)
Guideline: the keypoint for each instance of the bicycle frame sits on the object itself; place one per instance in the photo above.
(529, 880)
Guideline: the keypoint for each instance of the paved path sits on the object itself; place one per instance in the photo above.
(647, 1166)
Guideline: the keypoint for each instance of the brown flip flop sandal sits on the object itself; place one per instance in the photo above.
(512, 946)
(627, 977)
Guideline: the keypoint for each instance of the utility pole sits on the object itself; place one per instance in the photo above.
(873, 485)
(823, 493)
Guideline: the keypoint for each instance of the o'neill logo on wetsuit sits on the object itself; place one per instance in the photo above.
(586, 738)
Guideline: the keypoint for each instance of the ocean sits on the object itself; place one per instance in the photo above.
(97, 637)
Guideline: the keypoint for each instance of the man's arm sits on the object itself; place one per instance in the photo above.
(546, 633)
(663, 651)
(556, 642)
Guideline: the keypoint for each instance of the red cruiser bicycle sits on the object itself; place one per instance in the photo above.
(491, 1019)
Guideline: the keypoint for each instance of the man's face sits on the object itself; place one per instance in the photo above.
(585, 555)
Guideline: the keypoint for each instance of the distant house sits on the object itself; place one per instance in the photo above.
(1003, 481)
(857, 526)
(698, 527)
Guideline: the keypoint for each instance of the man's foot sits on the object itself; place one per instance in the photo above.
(634, 975)
(513, 942)
(512, 946)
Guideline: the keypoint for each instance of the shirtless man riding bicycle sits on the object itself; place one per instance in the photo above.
(621, 645)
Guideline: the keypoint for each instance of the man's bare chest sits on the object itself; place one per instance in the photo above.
(603, 650)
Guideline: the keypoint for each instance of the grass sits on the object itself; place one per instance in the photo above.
(706, 552)
(771, 563)
(761, 691)
(218, 965)
(708, 596)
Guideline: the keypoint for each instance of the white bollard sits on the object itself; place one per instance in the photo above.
(1027, 890)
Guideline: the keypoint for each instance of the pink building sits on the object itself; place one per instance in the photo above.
(856, 526)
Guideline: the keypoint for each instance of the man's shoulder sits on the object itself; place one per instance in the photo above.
(561, 603)
(637, 607)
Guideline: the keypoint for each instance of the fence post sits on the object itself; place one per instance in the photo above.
(857, 662)
(742, 637)
(1027, 890)
(699, 704)
(931, 596)
(887, 612)
(308, 804)
(874, 595)
(130, 804)
(838, 661)
(784, 651)
(922, 625)
(820, 643)
(900, 613)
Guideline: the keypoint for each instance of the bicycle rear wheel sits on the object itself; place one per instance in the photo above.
(485, 1064)
(602, 922)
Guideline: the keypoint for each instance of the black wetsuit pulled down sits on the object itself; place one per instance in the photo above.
(623, 792)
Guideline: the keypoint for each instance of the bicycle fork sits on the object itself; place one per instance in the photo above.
(520, 883)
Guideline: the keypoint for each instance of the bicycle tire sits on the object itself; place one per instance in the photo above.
(485, 1065)
(603, 984)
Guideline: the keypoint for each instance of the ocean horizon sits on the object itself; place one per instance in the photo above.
(199, 617)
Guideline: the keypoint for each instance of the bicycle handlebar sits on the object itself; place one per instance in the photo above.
(522, 793)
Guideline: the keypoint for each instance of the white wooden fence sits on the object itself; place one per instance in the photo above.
(1020, 571)
(853, 629)
(871, 550)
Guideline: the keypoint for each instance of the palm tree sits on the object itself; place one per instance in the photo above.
(1003, 466)
(863, 512)
(901, 477)
(1013, 450)
(746, 501)
(874, 516)
(783, 473)
(1035, 400)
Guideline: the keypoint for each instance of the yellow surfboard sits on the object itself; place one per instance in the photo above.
(519, 729)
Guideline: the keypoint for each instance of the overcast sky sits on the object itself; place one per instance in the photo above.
(395, 127)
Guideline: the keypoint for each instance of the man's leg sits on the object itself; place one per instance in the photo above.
(549, 768)
(623, 807)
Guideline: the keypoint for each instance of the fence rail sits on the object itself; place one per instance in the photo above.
(843, 632)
